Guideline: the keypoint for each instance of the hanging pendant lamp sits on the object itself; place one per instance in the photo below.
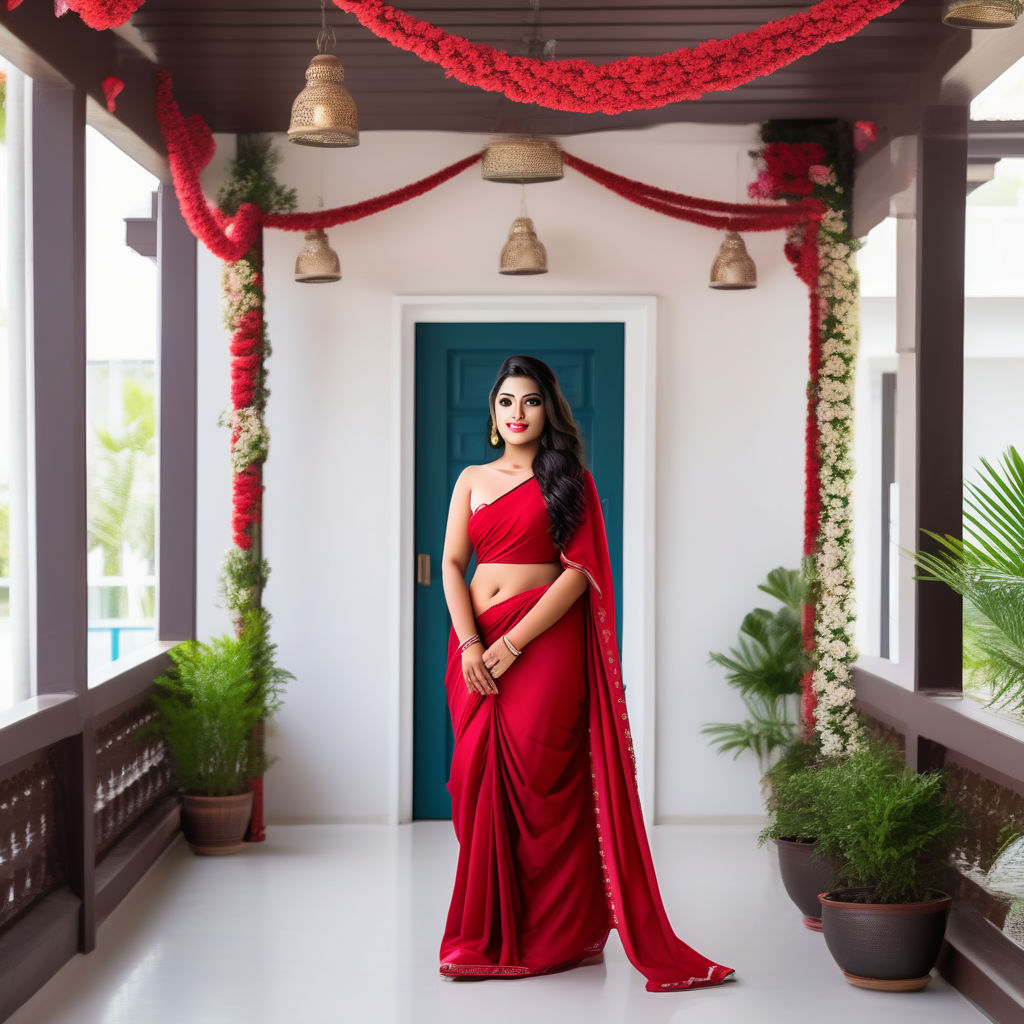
(324, 113)
(523, 253)
(317, 263)
(522, 160)
(982, 13)
(733, 268)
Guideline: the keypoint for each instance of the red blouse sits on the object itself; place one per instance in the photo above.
(514, 528)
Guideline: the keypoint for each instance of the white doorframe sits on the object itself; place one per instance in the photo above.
(638, 314)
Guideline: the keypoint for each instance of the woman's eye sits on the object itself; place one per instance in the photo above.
(504, 402)
(533, 401)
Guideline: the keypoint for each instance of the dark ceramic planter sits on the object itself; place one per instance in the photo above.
(216, 825)
(887, 946)
(805, 875)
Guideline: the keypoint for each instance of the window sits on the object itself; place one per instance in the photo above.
(121, 387)
(15, 684)
(876, 504)
(993, 350)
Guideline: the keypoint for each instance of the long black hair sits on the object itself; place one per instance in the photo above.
(558, 465)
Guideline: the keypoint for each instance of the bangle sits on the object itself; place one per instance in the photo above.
(508, 644)
(468, 642)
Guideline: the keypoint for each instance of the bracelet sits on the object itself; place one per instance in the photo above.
(468, 642)
(508, 644)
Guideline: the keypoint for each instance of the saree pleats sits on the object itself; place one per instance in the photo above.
(528, 896)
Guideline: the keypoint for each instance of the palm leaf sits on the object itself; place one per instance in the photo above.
(987, 570)
(787, 586)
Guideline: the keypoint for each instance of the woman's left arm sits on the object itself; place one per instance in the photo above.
(557, 600)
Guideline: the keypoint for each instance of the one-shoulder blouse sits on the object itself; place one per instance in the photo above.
(514, 528)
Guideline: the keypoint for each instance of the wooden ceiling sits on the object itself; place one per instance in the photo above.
(240, 63)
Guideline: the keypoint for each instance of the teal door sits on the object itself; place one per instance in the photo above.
(455, 367)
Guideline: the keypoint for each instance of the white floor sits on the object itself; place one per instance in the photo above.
(342, 923)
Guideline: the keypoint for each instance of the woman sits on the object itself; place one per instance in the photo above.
(552, 847)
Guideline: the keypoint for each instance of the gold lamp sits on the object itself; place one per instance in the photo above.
(523, 253)
(317, 263)
(324, 113)
(733, 268)
(522, 160)
(982, 13)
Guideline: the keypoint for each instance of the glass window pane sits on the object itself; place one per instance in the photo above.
(15, 683)
(876, 502)
(121, 383)
(993, 367)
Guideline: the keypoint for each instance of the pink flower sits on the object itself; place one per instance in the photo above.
(821, 175)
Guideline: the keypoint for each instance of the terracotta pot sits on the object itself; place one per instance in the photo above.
(216, 825)
(805, 875)
(886, 946)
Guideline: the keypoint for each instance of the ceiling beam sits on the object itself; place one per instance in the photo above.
(66, 50)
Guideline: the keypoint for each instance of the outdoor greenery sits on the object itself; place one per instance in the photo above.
(987, 569)
(210, 703)
(121, 490)
(5, 539)
(766, 667)
(886, 828)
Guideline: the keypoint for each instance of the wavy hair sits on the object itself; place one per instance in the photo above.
(559, 464)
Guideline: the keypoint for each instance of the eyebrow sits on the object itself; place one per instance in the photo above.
(529, 394)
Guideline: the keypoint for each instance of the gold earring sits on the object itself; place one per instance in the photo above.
(495, 440)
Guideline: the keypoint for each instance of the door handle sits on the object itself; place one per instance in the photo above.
(423, 570)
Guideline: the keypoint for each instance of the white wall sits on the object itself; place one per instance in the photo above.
(731, 377)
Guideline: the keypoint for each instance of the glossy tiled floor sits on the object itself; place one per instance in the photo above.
(342, 923)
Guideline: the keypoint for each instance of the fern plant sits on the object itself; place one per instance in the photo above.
(209, 704)
(766, 667)
(987, 569)
(886, 828)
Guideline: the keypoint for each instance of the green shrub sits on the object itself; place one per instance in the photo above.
(886, 828)
(210, 702)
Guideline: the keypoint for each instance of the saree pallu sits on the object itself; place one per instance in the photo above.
(552, 845)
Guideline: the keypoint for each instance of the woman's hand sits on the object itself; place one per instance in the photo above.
(497, 658)
(475, 673)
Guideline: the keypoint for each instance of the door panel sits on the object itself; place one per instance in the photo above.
(455, 368)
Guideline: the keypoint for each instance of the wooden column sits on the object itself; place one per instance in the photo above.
(176, 265)
(941, 198)
(58, 354)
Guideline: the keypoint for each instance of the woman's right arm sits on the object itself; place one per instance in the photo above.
(454, 561)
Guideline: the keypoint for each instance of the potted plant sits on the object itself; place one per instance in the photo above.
(794, 813)
(210, 703)
(889, 831)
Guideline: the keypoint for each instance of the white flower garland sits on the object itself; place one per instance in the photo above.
(837, 721)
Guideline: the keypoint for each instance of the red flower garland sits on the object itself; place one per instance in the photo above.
(247, 500)
(190, 147)
(246, 358)
(636, 83)
(100, 14)
(707, 212)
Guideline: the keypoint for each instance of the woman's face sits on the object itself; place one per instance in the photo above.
(519, 411)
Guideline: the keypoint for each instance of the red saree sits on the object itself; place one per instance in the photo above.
(553, 852)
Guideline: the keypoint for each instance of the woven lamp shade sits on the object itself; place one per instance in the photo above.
(522, 161)
(981, 13)
(324, 114)
(733, 268)
(317, 263)
(523, 253)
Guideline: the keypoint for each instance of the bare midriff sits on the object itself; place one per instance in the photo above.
(494, 582)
